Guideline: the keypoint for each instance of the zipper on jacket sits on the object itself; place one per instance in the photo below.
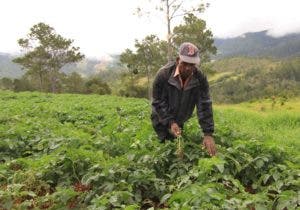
(181, 102)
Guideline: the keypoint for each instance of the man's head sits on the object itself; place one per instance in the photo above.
(187, 60)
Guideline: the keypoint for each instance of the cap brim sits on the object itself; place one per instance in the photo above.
(187, 59)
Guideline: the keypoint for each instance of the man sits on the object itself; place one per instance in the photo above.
(177, 89)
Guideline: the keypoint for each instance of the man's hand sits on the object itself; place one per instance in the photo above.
(209, 144)
(175, 129)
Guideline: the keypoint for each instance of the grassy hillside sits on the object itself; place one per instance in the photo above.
(266, 120)
(100, 152)
(244, 79)
(244, 64)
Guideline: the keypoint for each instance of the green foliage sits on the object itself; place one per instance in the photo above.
(23, 84)
(74, 83)
(131, 90)
(194, 30)
(150, 55)
(6, 83)
(130, 86)
(100, 152)
(95, 85)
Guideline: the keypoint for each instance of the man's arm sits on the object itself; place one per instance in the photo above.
(160, 101)
(205, 116)
(204, 108)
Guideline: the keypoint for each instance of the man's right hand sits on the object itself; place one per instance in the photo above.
(175, 129)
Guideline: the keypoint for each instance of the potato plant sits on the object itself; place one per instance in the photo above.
(100, 152)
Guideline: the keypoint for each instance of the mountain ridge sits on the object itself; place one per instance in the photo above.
(251, 44)
(255, 44)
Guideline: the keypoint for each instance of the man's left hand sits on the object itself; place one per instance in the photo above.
(209, 144)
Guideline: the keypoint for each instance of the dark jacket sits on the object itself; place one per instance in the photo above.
(171, 103)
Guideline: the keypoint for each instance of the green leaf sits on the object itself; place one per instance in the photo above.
(266, 178)
(259, 163)
(114, 200)
(220, 167)
(165, 198)
(132, 207)
(276, 176)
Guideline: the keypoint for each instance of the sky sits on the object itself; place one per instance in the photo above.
(102, 27)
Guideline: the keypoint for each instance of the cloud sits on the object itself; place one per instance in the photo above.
(234, 17)
(108, 27)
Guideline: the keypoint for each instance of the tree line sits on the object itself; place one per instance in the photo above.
(72, 83)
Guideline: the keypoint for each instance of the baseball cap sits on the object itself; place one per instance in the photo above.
(189, 53)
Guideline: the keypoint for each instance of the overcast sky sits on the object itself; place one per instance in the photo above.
(102, 27)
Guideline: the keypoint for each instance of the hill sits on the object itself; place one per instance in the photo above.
(100, 152)
(257, 44)
(244, 78)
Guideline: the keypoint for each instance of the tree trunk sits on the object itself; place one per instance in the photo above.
(169, 32)
(53, 82)
(149, 78)
(41, 81)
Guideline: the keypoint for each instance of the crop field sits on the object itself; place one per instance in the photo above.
(69, 151)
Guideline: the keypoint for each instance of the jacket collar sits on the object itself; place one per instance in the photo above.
(175, 81)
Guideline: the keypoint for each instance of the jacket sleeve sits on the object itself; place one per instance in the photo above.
(160, 104)
(204, 107)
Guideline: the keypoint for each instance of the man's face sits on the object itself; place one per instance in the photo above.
(185, 69)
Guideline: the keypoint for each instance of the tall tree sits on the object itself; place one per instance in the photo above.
(130, 59)
(194, 30)
(149, 57)
(171, 10)
(46, 52)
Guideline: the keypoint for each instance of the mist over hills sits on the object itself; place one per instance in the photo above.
(253, 44)
(256, 44)
(87, 67)
(8, 68)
